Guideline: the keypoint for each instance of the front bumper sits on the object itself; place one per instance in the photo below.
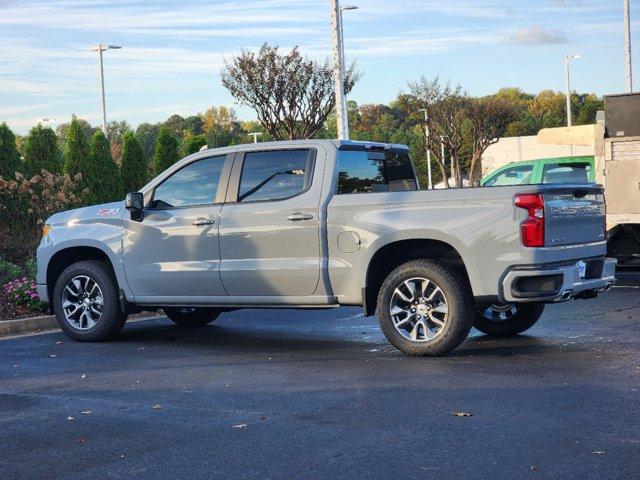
(43, 293)
(558, 283)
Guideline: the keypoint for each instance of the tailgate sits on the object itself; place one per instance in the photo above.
(574, 214)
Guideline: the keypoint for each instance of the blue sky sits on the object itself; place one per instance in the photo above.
(172, 51)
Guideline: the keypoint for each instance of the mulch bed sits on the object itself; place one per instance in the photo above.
(11, 311)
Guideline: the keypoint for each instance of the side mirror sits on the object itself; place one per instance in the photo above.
(135, 204)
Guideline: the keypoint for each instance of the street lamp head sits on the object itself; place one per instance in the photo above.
(104, 48)
(349, 7)
(573, 56)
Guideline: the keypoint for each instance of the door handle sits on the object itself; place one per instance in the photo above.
(203, 221)
(296, 217)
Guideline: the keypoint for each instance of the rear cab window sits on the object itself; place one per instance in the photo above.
(566, 173)
(371, 171)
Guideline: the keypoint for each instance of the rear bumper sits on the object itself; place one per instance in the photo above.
(558, 283)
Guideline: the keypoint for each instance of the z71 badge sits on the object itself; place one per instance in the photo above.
(108, 212)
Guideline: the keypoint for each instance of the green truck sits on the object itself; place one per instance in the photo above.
(543, 170)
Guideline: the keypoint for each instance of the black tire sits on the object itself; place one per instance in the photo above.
(191, 316)
(111, 320)
(457, 295)
(507, 320)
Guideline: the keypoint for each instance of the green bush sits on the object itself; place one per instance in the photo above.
(165, 152)
(9, 156)
(192, 144)
(106, 182)
(134, 164)
(41, 152)
(77, 159)
(8, 271)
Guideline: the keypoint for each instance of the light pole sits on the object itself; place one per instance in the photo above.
(627, 45)
(426, 134)
(338, 71)
(567, 59)
(444, 162)
(255, 136)
(103, 48)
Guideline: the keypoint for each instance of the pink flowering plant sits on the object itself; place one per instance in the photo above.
(22, 291)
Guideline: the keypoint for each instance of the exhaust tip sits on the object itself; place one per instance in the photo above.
(607, 287)
(566, 295)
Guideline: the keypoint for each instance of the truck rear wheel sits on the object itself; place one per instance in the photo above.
(86, 304)
(508, 319)
(425, 308)
(191, 316)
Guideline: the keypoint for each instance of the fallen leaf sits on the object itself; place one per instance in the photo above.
(79, 440)
(58, 343)
(157, 406)
(83, 376)
(70, 418)
(53, 355)
(462, 414)
(240, 425)
(533, 467)
(87, 412)
(599, 452)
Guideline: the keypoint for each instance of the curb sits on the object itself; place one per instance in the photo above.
(9, 328)
(28, 325)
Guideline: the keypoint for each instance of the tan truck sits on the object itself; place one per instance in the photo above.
(617, 161)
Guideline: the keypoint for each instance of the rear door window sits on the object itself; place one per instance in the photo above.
(519, 175)
(566, 173)
(275, 175)
(361, 171)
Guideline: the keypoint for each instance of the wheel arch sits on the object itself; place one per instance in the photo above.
(393, 254)
(70, 255)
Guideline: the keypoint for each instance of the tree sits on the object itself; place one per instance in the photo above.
(9, 156)
(219, 116)
(165, 152)
(147, 134)
(192, 143)
(105, 181)
(63, 129)
(134, 164)
(487, 119)
(41, 152)
(447, 110)
(115, 133)
(291, 95)
(77, 158)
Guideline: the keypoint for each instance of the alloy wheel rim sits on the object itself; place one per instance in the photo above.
(419, 309)
(82, 302)
(500, 313)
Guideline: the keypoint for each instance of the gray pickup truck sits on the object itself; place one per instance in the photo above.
(319, 224)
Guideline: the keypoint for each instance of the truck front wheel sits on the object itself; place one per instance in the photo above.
(85, 302)
(425, 308)
(508, 319)
(191, 316)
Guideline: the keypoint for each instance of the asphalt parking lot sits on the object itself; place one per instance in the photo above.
(320, 394)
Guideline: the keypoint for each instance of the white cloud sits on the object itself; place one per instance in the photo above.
(537, 35)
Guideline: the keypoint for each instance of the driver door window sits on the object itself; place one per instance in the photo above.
(520, 175)
(195, 184)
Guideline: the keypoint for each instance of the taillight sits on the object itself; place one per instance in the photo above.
(532, 229)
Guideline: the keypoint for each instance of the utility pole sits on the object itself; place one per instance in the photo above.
(444, 162)
(338, 71)
(627, 46)
(567, 59)
(426, 133)
(103, 48)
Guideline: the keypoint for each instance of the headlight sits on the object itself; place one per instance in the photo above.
(46, 229)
